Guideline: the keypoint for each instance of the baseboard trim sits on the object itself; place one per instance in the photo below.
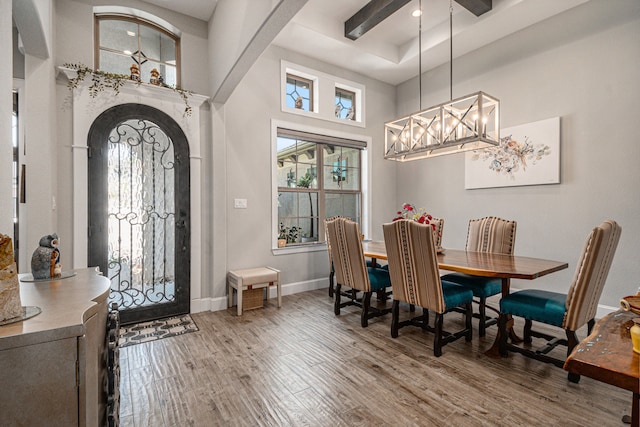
(220, 303)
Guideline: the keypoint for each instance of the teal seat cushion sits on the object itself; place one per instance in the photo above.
(455, 295)
(379, 278)
(533, 304)
(482, 287)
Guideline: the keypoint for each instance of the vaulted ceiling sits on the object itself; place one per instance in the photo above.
(389, 51)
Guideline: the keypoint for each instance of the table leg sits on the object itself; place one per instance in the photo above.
(494, 349)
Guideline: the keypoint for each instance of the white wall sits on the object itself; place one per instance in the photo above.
(6, 107)
(582, 66)
(247, 119)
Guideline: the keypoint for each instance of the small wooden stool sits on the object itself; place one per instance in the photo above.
(252, 278)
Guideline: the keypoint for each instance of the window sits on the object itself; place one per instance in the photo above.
(124, 42)
(345, 104)
(318, 176)
(299, 93)
(311, 93)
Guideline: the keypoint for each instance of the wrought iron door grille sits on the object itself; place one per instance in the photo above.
(141, 215)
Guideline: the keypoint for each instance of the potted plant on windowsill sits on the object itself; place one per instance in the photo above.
(287, 235)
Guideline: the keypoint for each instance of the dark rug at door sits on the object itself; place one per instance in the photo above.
(156, 329)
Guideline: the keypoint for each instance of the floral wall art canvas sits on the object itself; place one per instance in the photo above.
(528, 154)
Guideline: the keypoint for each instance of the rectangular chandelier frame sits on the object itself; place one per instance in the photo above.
(471, 122)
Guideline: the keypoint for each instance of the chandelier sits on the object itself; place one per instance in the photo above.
(470, 122)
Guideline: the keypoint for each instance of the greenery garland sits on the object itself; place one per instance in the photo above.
(101, 80)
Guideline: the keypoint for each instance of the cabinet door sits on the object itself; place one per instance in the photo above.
(39, 384)
(93, 369)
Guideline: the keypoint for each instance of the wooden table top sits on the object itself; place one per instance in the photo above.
(481, 263)
(607, 354)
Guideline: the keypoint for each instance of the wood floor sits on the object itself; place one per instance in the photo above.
(302, 366)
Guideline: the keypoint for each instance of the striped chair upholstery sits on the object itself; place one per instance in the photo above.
(351, 270)
(415, 280)
(567, 311)
(489, 234)
(331, 268)
(439, 227)
(439, 223)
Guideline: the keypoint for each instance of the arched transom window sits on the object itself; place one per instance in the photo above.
(126, 44)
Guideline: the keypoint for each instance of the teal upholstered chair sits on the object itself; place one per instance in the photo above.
(415, 280)
(568, 311)
(332, 271)
(351, 270)
(489, 234)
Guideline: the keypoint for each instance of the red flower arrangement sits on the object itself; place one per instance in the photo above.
(419, 215)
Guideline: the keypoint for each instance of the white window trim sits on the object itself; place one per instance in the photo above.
(365, 179)
(324, 92)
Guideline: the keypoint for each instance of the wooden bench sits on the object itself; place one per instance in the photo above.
(252, 278)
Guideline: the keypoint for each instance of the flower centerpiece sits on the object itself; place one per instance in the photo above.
(419, 215)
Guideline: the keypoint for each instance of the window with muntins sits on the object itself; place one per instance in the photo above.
(124, 43)
(318, 177)
(345, 104)
(299, 93)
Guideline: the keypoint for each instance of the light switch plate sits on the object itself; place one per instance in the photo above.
(240, 203)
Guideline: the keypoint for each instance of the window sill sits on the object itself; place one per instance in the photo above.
(295, 249)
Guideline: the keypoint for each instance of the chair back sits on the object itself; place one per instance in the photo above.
(413, 265)
(591, 274)
(491, 234)
(348, 257)
(439, 226)
(326, 233)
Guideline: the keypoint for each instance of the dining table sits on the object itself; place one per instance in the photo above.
(607, 355)
(485, 264)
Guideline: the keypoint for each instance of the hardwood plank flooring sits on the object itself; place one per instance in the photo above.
(303, 366)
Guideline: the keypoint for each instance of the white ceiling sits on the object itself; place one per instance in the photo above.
(389, 51)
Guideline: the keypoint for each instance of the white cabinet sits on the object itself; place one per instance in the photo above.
(53, 366)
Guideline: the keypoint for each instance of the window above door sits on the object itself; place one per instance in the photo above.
(123, 43)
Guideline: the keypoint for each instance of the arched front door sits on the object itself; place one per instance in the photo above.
(139, 221)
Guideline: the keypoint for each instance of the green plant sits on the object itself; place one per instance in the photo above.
(305, 181)
(101, 80)
(290, 234)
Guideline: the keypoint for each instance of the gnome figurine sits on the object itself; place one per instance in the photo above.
(45, 262)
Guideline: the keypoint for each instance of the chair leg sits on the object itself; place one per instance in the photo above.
(395, 315)
(467, 322)
(437, 340)
(590, 324)
(412, 308)
(331, 284)
(527, 331)
(336, 306)
(482, 308)
(572, 342)
(366, 302)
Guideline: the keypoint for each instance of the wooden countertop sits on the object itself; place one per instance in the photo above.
(607, 354)
(66, 304)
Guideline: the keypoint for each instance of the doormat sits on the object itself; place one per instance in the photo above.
(156, 330)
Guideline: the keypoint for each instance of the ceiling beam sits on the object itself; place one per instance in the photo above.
(371, 15)
(477, 7)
